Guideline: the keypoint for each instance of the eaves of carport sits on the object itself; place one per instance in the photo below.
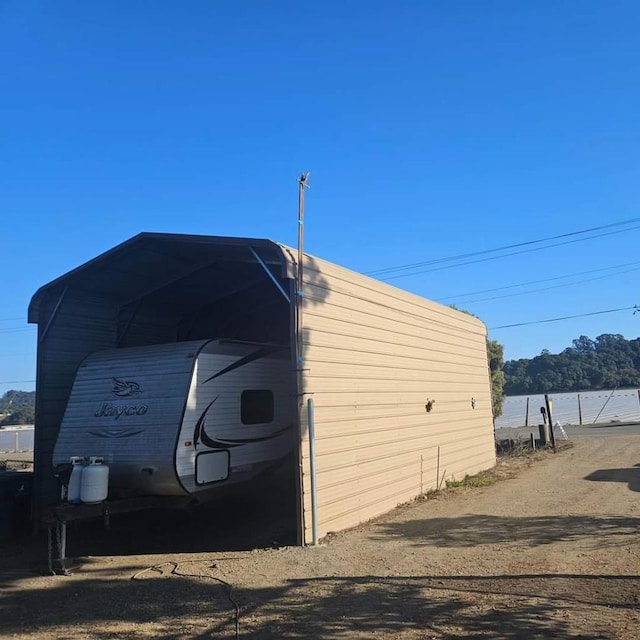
(149, 262)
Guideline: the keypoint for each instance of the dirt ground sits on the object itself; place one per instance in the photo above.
(551, 550)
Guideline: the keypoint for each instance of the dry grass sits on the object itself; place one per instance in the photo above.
(479, 480)
(510, 461)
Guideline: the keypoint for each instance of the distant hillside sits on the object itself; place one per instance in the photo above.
(17, 407)
(608, 362)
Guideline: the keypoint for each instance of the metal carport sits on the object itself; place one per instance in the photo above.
(400, 384)
(153, 288)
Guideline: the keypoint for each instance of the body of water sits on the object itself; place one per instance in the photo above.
(16, 439)
(584, 407)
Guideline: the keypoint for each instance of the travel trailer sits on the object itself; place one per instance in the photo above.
(182, 419)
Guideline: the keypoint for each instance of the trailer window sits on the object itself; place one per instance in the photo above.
(256, 406)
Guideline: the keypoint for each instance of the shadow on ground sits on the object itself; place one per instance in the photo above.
(474, 530)
(240, 523)
(629, 475)
(258, 519)
(192, 604)
(261, 519)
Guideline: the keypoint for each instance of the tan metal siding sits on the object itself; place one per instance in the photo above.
(373, 356)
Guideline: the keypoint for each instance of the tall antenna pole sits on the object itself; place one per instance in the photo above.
(302, 185)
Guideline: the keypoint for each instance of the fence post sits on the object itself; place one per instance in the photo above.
(579, 410)
(548, 403)
(526, 415)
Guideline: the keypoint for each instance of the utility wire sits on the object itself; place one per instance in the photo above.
(580, 315)
(16, 329)
(505, 255)
(556, 286)
(415, 265)
(524, 284)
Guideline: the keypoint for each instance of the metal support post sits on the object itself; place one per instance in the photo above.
(312, 470)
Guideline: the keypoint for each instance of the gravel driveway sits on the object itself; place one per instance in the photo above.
(551, 550)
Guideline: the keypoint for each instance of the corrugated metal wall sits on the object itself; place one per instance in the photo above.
(373, 357)
(80, 323)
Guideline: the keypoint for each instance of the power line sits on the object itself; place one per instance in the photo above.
(580, 315)
(506, 255)
(556, 286)
(510, 246)
(524, 284)
(415, 265)
(15, 329)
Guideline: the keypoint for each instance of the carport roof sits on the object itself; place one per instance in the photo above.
(149, 261)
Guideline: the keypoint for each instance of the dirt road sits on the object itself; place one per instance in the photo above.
(553, 552)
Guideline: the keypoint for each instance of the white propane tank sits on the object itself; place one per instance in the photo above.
(95, 481)
(75, 480)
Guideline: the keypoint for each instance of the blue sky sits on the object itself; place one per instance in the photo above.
(430, 130)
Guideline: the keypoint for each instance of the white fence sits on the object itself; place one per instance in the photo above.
(579, 408)
(15, 439)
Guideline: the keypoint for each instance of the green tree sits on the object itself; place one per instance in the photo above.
(607, 362)
(21, 416)
(495, 361)
(18, 407)
(583, 344)
(495, 355)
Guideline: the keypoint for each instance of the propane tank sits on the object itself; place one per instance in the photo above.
(95, 481)
(75, 480)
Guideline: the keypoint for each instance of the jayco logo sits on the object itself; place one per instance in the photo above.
(122, 389)
(125, 388)
(108, 410)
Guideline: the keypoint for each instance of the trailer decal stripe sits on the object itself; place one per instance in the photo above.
(198, 432)
(115, 433)
(256, 355)
(226, 443)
